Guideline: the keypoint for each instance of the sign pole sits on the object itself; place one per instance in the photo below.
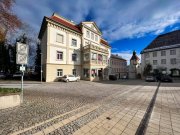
(22, 59)
(22, 84)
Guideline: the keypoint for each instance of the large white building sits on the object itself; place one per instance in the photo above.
(68, 48)
(163, 53)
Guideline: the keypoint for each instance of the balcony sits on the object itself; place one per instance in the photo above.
(95, 48)
(96, 62)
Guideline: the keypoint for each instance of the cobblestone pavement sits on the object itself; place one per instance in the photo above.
(108, 107)
(165, 119)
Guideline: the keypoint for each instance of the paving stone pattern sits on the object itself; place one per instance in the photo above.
(48, 100)
(165, 119)
(93, 108)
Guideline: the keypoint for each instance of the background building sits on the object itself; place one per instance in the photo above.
(163, 53)
(68, 48)
(118, 66)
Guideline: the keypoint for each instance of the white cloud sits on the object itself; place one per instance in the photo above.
(118, 19)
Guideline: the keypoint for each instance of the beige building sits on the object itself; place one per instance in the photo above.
(118, 66)
(68, 48)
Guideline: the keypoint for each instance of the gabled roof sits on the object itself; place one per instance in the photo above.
(117, 57)
(104, 42)
(95, 25)
(165, 40)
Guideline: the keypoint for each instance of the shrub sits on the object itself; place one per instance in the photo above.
(9, 90)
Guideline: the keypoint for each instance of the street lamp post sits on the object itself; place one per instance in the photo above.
(41, 67)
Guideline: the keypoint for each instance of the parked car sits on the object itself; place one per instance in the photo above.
(70, 78)
(166, 78)
(2, 75)
(151, 78)
(124, 77)
(112, 77)
(17, 75)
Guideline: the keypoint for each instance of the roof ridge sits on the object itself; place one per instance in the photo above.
(63, 18)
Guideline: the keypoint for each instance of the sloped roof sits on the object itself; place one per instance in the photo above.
(134, 56)
(65, 23)
(168, 39)
(117, 57)
(104, 42)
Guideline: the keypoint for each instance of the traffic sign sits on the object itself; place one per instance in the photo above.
(21, 53)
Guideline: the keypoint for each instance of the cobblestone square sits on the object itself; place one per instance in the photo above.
(94, 108)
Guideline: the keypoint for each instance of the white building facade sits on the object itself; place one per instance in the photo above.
(163, 53)
(68, 48)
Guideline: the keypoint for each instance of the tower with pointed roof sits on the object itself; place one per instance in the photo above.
(134, 63)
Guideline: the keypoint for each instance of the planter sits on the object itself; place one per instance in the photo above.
(9, 101)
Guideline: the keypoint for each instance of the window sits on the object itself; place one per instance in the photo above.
(74, 72)
(154, 54)
(173, 61)
(86, 72)
(94, 56)
(93, 73)
(59, 55)
(146, 55)
(59, 38)
(163, 61)
(96, 37)
(163, 53)
(87, 34)
(99, 57)
(105, 58)
(59, 72)
(92, 36)
(86, 57)
(172, 52)
(154, 62)
(74, 42)
(74, 57)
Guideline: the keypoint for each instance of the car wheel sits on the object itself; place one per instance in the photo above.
(67, 80)
(77, 80)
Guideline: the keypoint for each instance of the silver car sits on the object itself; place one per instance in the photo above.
(70, 78)
(150, 79)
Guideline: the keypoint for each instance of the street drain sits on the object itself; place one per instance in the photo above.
(108, 118)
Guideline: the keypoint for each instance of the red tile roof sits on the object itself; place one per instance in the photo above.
(104, 42)
(65, 23)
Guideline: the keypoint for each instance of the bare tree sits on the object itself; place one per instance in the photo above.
(8, 20)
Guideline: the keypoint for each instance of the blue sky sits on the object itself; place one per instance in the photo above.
(127, 25)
